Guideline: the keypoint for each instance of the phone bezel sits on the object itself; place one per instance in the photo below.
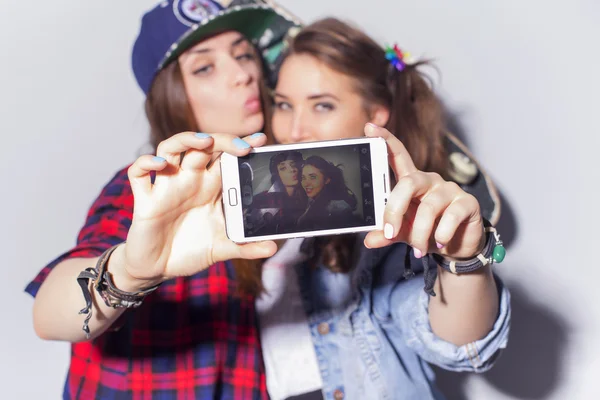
(230, 178)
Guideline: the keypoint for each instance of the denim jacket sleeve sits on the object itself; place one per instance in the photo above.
(409, 309)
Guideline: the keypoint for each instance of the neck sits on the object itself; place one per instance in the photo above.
(290, 190)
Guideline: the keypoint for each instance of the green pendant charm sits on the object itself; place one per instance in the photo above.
(499, 253)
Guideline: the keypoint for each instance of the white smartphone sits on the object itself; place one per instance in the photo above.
(305, 189)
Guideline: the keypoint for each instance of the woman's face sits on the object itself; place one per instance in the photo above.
(314, 102)
(288, 172)
(221, 77)
(313, 180)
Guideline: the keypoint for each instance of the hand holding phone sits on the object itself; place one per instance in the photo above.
(178, 223)
(305, 189)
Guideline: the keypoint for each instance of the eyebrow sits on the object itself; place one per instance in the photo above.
(235, 43)
(313, 96)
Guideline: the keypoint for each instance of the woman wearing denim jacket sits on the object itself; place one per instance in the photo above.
(370, 330)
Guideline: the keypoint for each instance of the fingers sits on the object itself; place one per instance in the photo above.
(425, 212)
(428, 212)
(462, 210)
(400, 160)
(198, 150)
(255, 140)
(198, 159)
(377, 239)
(408, 189)
(200, 146)
(139, 172)
(172, 148)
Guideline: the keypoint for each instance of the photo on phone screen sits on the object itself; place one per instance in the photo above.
(306, 190)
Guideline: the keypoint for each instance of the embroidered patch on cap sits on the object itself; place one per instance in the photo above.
(190, 12)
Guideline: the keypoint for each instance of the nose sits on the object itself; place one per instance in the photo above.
(240, 77)
(299, 131)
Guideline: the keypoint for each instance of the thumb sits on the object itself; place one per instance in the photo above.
(249, 251)
(257, 250)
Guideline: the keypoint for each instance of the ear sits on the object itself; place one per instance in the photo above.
(379, 115)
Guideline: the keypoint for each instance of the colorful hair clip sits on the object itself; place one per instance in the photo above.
(397, 57)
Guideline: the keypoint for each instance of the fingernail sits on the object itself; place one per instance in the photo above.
(201, 135)
(388, 231)
(240, 144)
(257, 135)
(418, 253)
(439, 245)
(158, 159)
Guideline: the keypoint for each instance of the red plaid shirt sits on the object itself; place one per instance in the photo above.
(194, 338)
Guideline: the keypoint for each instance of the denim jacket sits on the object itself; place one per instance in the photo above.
(371, 331)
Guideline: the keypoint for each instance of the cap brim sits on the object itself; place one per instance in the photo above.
(250, 21)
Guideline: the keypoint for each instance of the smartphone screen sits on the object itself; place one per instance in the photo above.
(296, 190)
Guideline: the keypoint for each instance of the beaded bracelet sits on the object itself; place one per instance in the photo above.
(102, 281)
(493, 252)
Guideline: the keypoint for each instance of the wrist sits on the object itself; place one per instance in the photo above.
(480, 249)
(122, 279)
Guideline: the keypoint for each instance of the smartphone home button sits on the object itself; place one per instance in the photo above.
(232, 197)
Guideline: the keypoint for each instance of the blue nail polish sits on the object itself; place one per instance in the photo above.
(201, 135)
(257, 135)
(240, 144)
(158, 159)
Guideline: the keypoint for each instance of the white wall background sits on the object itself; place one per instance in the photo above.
(521, 79)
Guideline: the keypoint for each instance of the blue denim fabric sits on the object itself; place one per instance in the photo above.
(371, 332)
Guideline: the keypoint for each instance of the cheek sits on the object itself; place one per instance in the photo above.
(355, 125)
(341, 123)
(281, 126)
(253, 70)
(207, 105)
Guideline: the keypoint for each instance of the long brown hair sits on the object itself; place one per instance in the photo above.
(169, 112)
(416, 116)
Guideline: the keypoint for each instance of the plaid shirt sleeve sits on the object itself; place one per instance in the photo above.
(107, 224)
(194, 338)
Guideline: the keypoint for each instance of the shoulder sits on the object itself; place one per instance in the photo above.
(116, 193)
(120, 179)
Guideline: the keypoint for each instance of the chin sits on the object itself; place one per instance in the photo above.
(254, 123)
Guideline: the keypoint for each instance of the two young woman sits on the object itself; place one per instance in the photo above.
(370, 331)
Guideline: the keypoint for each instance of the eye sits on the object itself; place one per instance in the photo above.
(203, 70)
(245, 57)
(323, 107)
(283, 106)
